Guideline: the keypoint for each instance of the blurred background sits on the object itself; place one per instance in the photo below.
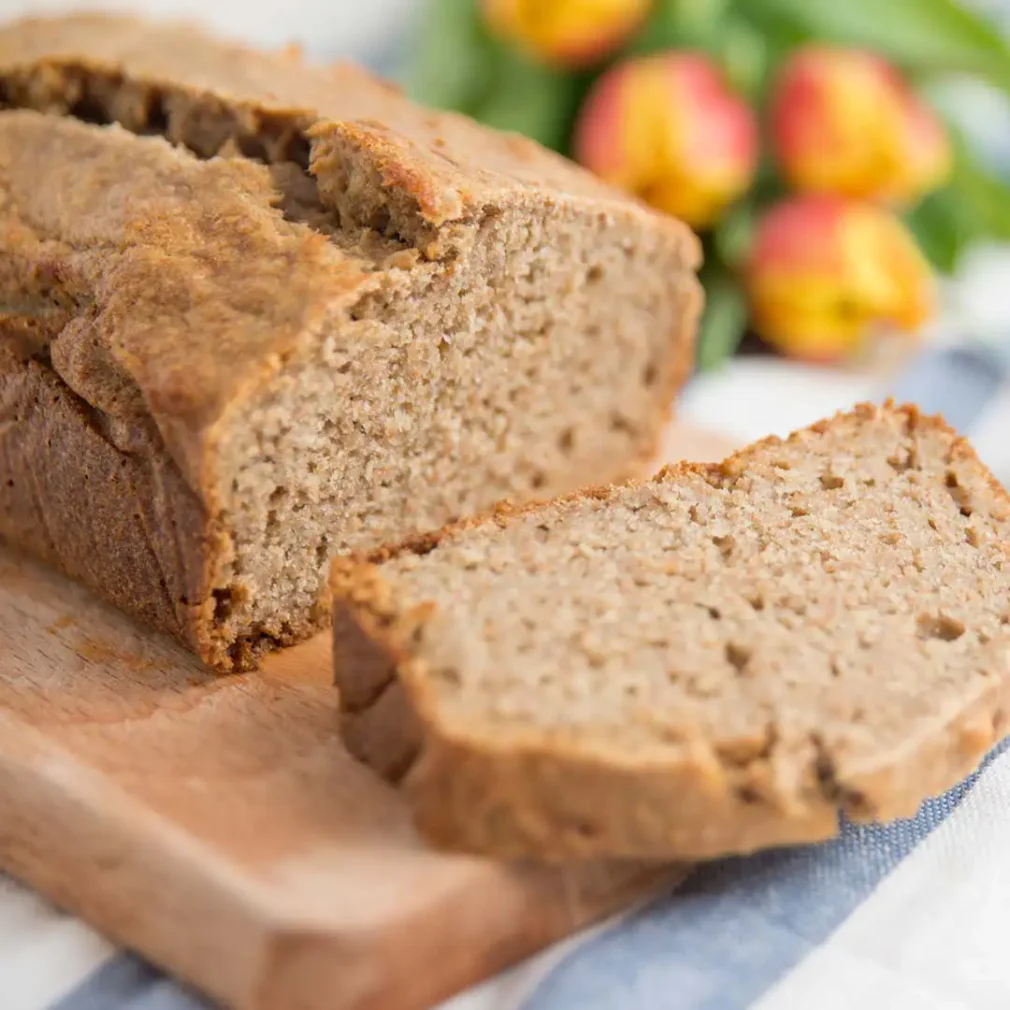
(846, 162)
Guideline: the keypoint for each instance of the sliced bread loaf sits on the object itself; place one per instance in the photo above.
(300, 316)
(721, 659)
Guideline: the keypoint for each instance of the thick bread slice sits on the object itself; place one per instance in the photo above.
(721, 659)
(360, 321)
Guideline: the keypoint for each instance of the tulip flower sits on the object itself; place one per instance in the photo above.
(566, 33)
(669, 129)
(825, 271)
(844, 121)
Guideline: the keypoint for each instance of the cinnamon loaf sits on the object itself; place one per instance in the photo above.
(257, 314)
(721, 659)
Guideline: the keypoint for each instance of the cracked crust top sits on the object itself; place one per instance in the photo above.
(179, 286)
(451, 166)
(826, 633)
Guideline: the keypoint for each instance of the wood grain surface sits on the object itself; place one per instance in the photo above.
(216, 825)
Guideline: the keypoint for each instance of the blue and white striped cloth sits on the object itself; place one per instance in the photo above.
(912, 916)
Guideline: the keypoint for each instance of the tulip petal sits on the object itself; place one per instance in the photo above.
(570, 33)
(668, 129)
(825, 271)
(845, 122)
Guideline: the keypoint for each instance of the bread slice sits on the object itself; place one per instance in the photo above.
(718, 660)
(324, 319)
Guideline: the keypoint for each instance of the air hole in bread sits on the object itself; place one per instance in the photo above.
(738, 656)
(940, 626)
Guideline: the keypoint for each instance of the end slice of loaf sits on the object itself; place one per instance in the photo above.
(721, 659)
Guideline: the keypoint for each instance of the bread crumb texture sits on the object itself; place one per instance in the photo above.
(721, 659)
(258, 313)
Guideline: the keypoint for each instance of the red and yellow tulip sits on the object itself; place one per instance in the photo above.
(825, 271)
(844, 121)
(566, 33)
(669, 129)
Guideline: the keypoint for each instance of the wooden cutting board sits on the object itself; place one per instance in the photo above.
(216, 825)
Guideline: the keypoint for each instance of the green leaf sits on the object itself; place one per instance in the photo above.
(530, 98)
(725, 320)
(984, 198)
(713, 27)
(974, 206)
(939, 231)
(923, 35)
(734, 233)
(678, 24)
(744, 54)
(780, 31)
(451, 65)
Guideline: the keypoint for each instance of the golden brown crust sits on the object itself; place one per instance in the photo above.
(540, 802)
(162, 305)
(137, 524)
(450, 166)
(555, 799)
(171, 251)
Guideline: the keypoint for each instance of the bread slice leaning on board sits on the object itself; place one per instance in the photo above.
(721, 659)
(299, 316)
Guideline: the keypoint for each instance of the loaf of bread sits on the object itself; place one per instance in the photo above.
(274, 313)
(721, 659)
